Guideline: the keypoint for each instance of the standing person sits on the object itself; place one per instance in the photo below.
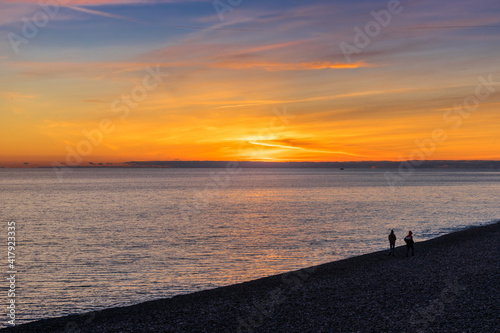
(392, 242)
(409, 244)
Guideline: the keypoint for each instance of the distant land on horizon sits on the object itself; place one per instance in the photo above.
(433, 164)
(318, 165)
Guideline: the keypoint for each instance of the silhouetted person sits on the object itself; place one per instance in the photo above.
(392, 242)
(409, 244)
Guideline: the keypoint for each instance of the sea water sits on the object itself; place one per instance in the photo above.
(99, 238)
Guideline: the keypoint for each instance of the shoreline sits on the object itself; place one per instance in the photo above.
(451, 284)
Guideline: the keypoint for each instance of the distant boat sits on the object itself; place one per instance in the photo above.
(341, 167)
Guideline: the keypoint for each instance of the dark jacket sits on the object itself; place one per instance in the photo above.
(409, 241)
(392, 237)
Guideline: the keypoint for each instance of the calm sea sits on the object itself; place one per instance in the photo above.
(109, 237)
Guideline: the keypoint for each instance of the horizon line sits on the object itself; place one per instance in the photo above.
(219, 164)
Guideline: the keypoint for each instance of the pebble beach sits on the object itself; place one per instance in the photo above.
(452, 284)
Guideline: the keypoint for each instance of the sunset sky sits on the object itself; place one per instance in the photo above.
(260, 80)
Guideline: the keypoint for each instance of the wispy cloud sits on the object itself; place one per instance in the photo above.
(314, 99)
(178, 26)
(269, 66)
(456, 27)
(303, 149)
(100, 13)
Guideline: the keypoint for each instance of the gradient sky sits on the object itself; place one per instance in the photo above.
(229, 79)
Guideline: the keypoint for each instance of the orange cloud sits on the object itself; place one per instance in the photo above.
(270, 66)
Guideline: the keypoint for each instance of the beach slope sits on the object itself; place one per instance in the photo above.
(452, 284)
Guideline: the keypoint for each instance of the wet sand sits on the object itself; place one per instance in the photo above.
(452, 284)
